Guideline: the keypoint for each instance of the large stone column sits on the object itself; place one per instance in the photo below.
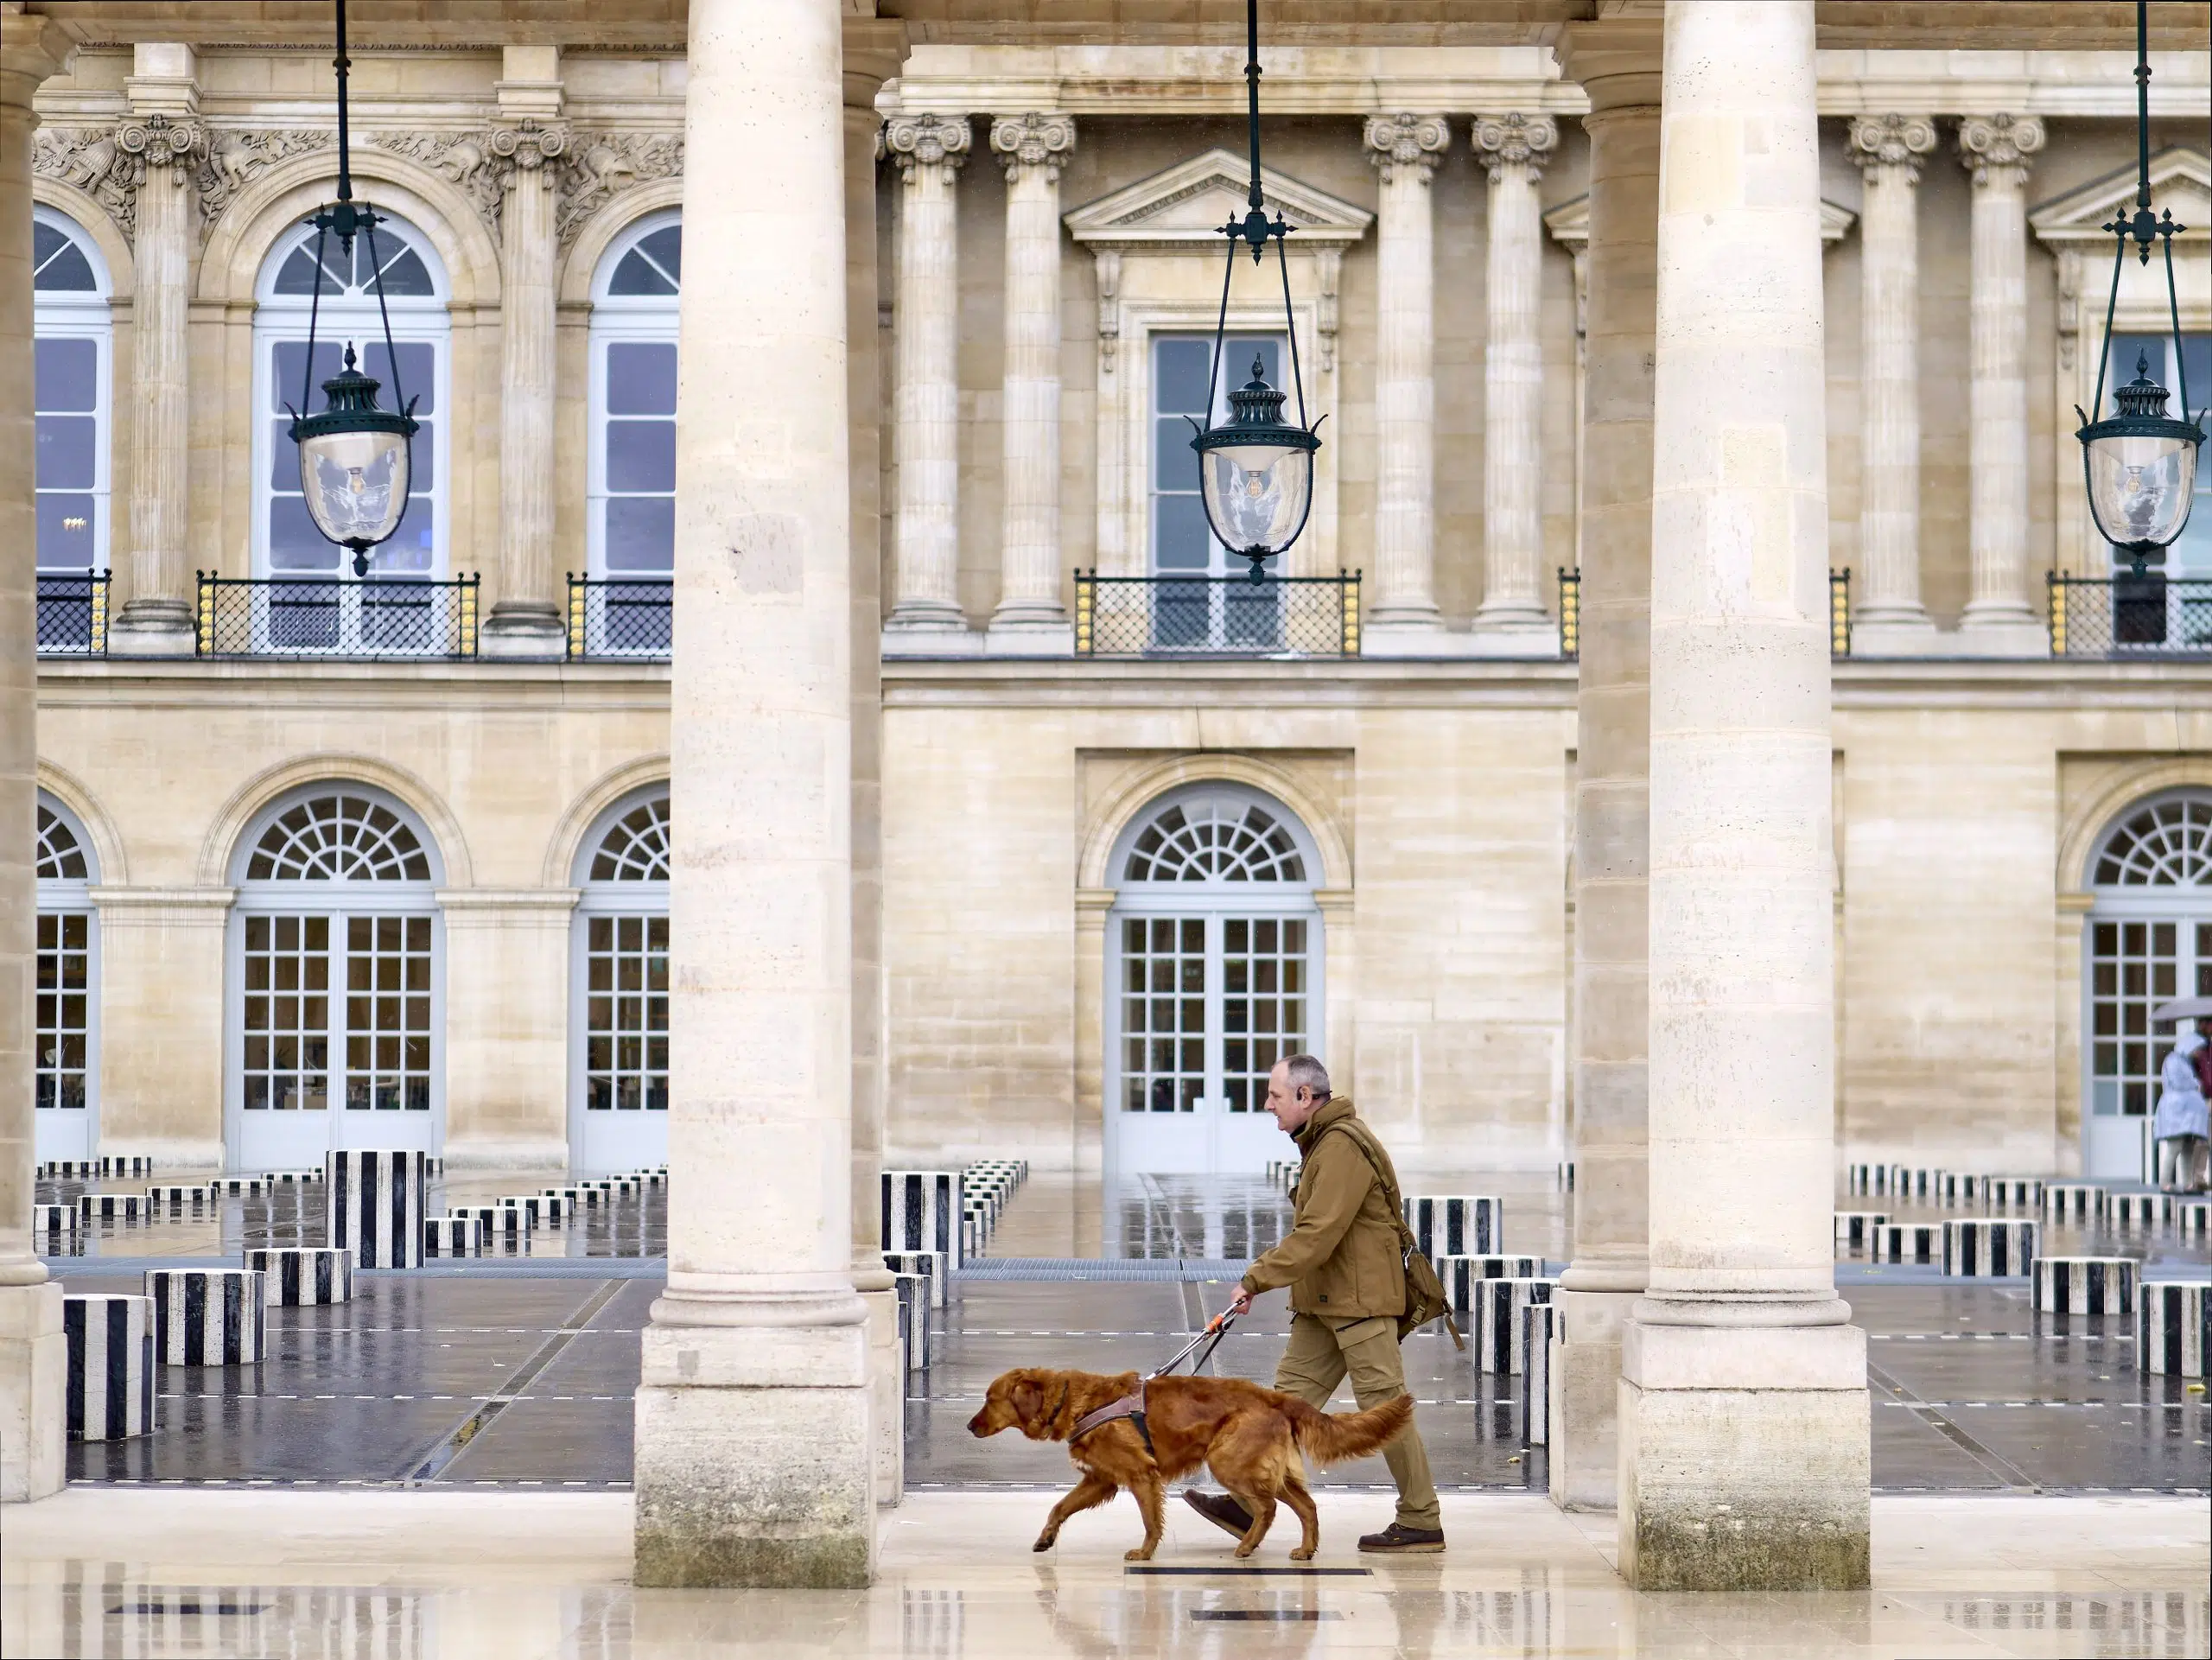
(753, 1427)
(1030, 619)
(527, 617)
(33, 1356)
(1404, 614)
(1617, 64)
(1513, 620)
(1999, 620)
(1889, 616)
(925, 614)
(874, 50)
(158, 147)
(1744, 1439)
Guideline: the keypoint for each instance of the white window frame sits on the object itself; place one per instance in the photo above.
(283, 318)
(74, 894)
(603, 899)
(1228, 373)
(338, 900)
(619, 317)
(78, 315)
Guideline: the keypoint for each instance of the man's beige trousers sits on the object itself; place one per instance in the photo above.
(1317, 1359)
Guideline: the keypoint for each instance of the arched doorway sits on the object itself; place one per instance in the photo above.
(1214, 973)
(337, 983)
(2149, 938)
(65, 1092)
(618, 1022)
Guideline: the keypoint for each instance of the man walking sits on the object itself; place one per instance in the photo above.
(1347, 1280)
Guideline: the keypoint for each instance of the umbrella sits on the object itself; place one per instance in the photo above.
(2182, 1009)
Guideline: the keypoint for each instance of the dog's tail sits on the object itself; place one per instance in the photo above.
(1330, 1438)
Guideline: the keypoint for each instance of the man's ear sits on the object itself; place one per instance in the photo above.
(1027, 1399)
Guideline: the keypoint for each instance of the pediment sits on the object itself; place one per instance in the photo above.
(1184, 207)
(1569, 222)
(2181, 179)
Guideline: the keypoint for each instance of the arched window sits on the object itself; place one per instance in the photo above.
(1216, 970)
(2149, 939)
(285, 541)
(66, 1066)
(337, 1006)
(72, 380)
(619, 1060)
(632, 470)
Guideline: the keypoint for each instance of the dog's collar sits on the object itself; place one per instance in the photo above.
(1129, 1406)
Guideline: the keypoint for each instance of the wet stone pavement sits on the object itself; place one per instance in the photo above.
(519, 1371)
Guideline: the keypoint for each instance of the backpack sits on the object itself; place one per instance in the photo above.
(1425, 1298)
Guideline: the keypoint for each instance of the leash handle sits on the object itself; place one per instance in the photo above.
(1217, 1328)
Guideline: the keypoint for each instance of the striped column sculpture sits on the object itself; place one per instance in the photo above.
(2173, 1327)
(2084, 1285)
(922, 1211)
(915, 1294)
(111, 1366)
(197, 1198)
(1956, 1189)
(1458, 1225)
(1914, 1182)
(113, 1207)
(2072, 1204)
(452, 1236)
(1988, 1247)
(303, 1275)
(930, 1265)
(1908, 1241)
(372, 1198)
(56, 1230)
(2132, 1211)
(2193, 1218)
(2014, 1193)
(205, 1316)
(1536, 1373)
(1461, 1274)
(1854, 1229)
(1866, 1178)
(1500, 1337)
(134, 1164)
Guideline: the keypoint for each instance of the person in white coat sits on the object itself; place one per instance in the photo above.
(2180, 1124)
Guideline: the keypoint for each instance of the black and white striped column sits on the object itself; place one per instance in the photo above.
(113, 1207)
(134, 1164)
(1499, 1337)
(1536, 1373)
(1461, 1274)
(1456, 1225)
(1866, 1178)
(930, 1265)
(1988, 1247)
(1908, 1241)
(2132, 1211)
(2073, 1203)
(914, 1293)
(1854, 1229)
(302, 1276)
(111, 1366)
(2084, 1285)
(2013, 1192)
(2193, 1218)
(197, 1198)
(1956, 1189)
(1915, 1182)
(373, 1199)
(922, 1211)
(56, 1230)
(205, 1316)
(495, 1224)
(2173, 1327)
(452, 1236)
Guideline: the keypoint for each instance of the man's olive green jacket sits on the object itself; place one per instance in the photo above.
(1341, 1259)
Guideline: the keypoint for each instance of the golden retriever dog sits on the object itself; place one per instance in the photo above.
(1242, 1433)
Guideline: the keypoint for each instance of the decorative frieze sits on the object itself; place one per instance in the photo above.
(236, 156)
(600, 166)
(85, 159)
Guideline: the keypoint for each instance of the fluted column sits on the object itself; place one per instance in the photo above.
(1405, 149)
(33, 1356)
(1744, 1439)
(1996, 149)
(925, 614)
(1617, 64)
(1513, 618)
(158, 147)
(752, 1420)
(526, 618)
(1030, 618)
(1888, 615)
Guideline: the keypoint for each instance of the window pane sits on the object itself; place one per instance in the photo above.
(1182, 367)
(417, 383)
(1180, 540)
(641, 455)
(640, 377)
(641, 534)
(295, 545)
(664, 247)
(66, 375)
(1174, 463)
(59, 264)
(637, 275)
(287, 381)
(66, 457)
(65, 531)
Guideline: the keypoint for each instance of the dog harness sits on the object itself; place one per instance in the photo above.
(1129, 1406)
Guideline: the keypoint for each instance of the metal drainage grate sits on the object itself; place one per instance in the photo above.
(1171, 1270)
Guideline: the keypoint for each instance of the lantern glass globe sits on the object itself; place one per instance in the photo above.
(2140, 485)
(355, 483)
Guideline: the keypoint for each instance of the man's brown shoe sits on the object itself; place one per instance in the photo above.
(1398, 1540)
(1225, 1512)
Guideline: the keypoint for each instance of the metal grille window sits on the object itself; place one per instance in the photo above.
(1263, 1004)
(1163, 1014)
(388, 1014)
(64, 980)
(627, 1040)
(287, 1048)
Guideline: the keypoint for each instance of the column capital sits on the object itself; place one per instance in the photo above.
(914, 141)
(528, 146)
(1407, 143)
(1515, 140)
(156, 143)
(1033, 140)
(1880, 142)
(1993, 145)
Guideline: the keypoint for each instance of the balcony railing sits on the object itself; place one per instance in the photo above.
(1216, 616)
(621, 616)
(330, 616)
(72, 615)
(1570, 613)
(2127, 616)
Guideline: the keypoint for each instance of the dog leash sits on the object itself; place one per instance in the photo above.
(1132, 1406)
(1216, 1329)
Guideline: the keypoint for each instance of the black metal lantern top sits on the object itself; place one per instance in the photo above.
(2139, 463)
(356, 459)
(1255, 470)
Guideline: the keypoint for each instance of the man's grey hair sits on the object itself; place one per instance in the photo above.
(1305, 1072)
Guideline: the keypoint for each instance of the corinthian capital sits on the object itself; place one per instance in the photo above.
(914, 141)
(1414, 143)
(1503, 140)
(528, 146)
(1891, 141)
(1989, 143)
(1033, 140)
(157, 142)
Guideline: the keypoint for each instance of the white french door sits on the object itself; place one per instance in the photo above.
(621, 1025)
(1206, 1002)
(65, 1072)
(2139, 955)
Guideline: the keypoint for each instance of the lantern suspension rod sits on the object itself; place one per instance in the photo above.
(1252, 88)
(342, 63)
(2142, 114)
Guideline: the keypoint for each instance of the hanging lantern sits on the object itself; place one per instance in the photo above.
(356, 458)
(1255, 470)
(2139, 463)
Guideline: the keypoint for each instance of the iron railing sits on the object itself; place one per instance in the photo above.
(621, 616)
(2123, 616)
(1570, 613)
(1216, 616)
(72, 615)
(331, 616)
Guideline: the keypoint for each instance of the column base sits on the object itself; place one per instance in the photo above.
(754, 1467)
(154, 628)
(1897, 630)
(523, 628)
(33, 1391)
(1745, 1458)
(1513, 632)
(1043, 636)
(1584, 1455)
(1399, 632)
(2008, 631)
(935, 635)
